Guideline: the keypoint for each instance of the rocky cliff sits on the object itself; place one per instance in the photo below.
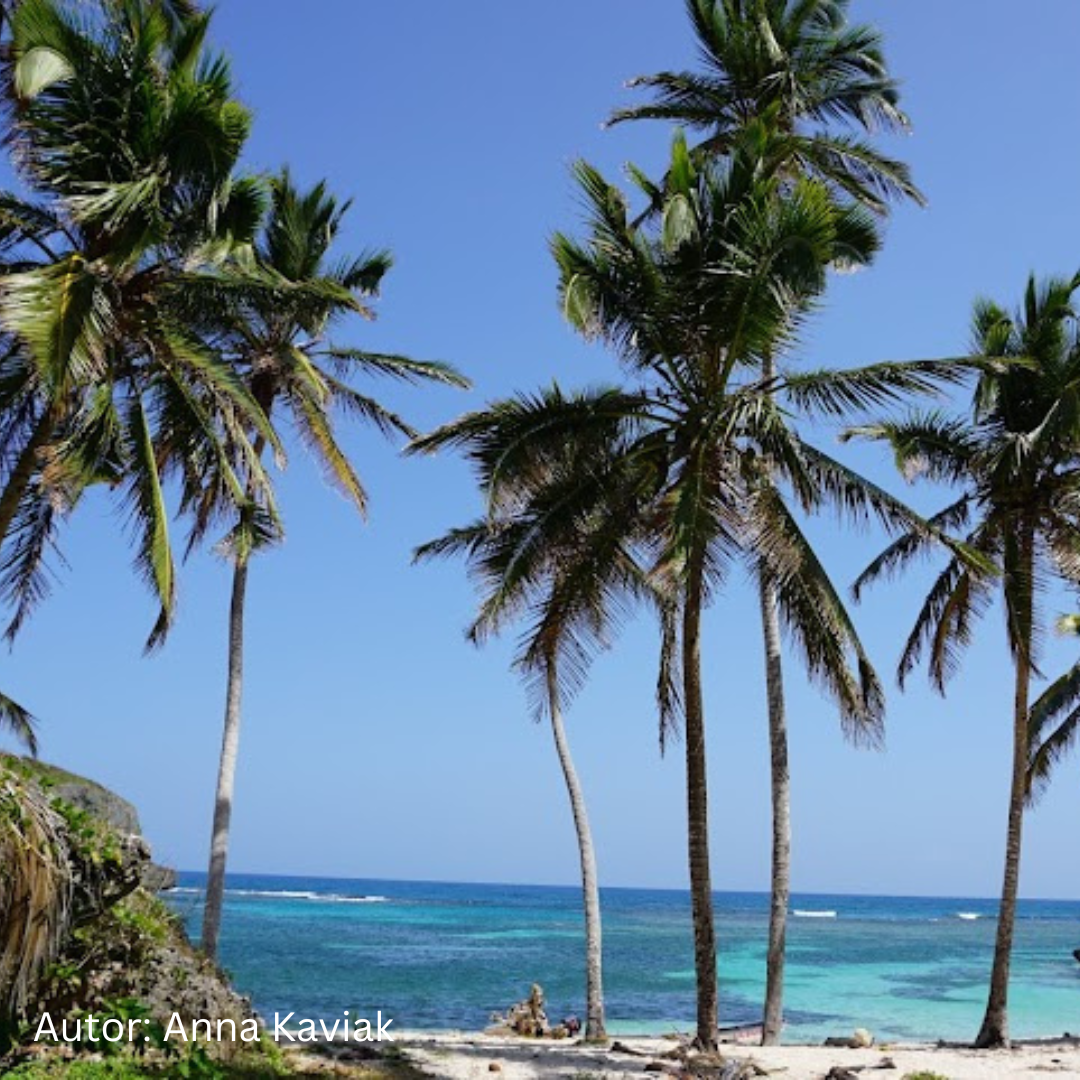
(81, 929)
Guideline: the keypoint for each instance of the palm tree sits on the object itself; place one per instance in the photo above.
(1016, 463)
(690, 302)
(816, 78)
(561, 593)
(126, 133)
(273, 326)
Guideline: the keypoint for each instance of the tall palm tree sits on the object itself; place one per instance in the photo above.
(274, 327)
(690, 302)
(817, 79)
(1015, 460)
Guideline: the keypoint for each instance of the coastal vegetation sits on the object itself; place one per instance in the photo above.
(169, 321)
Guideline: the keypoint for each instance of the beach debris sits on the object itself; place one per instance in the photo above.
(676, 1053)
(841, 1072)
(621, 1048)
(656, 1067)
(740, 1070)
(885, 1063)
(572, 1025)
(494, 1066)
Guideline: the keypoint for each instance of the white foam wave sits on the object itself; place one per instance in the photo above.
(291, 894)
(280, 894)
(968, 916)
(813, 914)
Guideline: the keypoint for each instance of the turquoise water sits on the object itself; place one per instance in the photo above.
(435, 955)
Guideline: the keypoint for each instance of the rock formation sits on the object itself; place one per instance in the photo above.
(81, 929)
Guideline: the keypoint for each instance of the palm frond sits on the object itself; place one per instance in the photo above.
(18, 722)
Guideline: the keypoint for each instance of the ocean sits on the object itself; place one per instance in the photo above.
(437, 955)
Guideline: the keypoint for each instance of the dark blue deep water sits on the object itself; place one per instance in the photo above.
(436, 955)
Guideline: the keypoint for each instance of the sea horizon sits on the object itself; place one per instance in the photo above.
(576, 886)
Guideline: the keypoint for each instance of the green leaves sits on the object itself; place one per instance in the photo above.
(150, 519)
(681, 172)
(836, 394)
(414, 372)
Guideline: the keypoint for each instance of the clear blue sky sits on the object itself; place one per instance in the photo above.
(377, 743)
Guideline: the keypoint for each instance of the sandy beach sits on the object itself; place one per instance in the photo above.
(463, 1056)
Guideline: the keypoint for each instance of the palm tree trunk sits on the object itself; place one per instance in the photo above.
(773, 1019)
(590, 887)
(995, 1026)
(230, 745)
(780, 777)
(697, 809)
(23, 472)
(230, 738)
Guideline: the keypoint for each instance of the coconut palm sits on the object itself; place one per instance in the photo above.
(126, 133)
(690, 303)
(1015, 460)
(273, 326)
(817, 79)
(563, 592)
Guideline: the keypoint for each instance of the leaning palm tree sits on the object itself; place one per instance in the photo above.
(817, 79)
(1015, 461)
(562, 594)
(274, 327)
(690, 301)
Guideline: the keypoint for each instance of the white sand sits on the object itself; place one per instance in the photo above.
(461, 1056)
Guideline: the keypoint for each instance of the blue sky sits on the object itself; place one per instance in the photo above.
(377, 742)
